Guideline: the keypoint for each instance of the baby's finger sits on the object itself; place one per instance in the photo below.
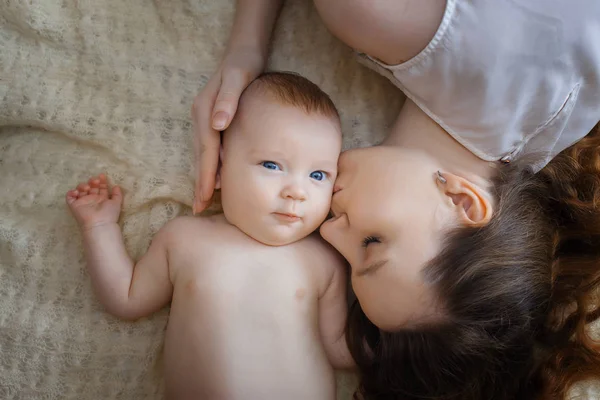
(71, 196)
(94, 190)
(116, 195)
(103, 190)
(83, 187)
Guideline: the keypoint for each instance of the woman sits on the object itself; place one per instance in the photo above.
(473, 243)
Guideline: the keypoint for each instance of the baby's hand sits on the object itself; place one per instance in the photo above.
(93, 205)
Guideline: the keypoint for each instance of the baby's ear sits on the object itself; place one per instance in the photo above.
(218, 177)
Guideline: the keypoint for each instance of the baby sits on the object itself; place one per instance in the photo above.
(258, 305)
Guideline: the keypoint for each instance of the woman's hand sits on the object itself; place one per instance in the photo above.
(212, 112)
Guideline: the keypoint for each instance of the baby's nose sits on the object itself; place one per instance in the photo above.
(294, 191)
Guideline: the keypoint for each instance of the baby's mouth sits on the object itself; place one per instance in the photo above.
(289, 217)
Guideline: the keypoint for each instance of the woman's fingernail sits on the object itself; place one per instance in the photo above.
(219, 120)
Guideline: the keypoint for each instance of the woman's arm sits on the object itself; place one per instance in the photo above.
(215, 106)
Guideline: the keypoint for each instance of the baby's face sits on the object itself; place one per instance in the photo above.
(278, 169)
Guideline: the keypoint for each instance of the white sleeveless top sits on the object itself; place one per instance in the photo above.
(508, 78)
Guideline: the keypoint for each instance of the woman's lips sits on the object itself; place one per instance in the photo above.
(334, 216)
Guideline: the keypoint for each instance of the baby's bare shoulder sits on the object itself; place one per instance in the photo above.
(318, 253)
(181, 230)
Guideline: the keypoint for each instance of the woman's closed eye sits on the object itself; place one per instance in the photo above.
(271, 165)
(370, 239)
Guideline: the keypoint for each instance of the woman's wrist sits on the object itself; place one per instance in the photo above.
(247, 48)
(251, 44)
(253, 25)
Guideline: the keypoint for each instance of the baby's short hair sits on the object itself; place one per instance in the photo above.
(292, 89)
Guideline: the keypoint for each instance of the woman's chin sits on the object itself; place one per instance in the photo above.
(324, 228)
(327, 230)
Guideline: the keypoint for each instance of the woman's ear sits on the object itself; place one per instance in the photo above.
(218, 177)
(472, 203)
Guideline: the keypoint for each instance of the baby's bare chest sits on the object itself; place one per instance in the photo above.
(247, 271)
(239, 297)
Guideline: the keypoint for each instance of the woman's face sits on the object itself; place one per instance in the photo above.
(388, 212)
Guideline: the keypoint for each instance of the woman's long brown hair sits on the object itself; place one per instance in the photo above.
(519, 295)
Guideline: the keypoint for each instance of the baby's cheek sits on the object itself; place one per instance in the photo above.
(261, 201)
(321, 207)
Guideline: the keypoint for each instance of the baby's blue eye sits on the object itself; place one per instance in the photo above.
(270, 165)
(317, 175)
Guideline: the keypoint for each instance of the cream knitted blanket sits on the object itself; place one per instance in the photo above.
(89, 86)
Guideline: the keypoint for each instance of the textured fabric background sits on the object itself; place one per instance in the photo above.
(89, 86)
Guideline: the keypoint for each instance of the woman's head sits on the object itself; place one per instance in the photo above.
(392, 212)
(471, 307)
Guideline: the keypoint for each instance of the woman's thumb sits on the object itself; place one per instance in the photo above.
(227, 100)
(220, 120)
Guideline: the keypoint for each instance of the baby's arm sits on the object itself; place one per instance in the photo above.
(126, 290)
(333, 311)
